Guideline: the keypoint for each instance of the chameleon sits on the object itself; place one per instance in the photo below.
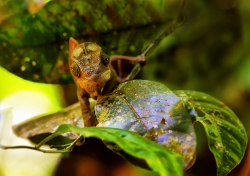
(94, 74)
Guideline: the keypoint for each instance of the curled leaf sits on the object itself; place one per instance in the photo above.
(227, 138)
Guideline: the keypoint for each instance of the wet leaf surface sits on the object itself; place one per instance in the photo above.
(159, 159)
(153, 111)
(227, 138)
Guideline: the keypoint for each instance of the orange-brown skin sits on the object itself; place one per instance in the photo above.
(90, 69)
(94, 75)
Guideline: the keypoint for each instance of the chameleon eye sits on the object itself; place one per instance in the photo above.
(105, 59)
(75, 70)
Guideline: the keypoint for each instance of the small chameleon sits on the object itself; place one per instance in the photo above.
(94, 74)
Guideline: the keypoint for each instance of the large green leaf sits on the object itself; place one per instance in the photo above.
(158, 158)
(35, 46)
(227, 138)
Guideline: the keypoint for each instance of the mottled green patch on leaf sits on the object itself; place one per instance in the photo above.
(35, 46)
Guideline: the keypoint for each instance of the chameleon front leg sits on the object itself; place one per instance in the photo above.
(88, 117)
(119, 62)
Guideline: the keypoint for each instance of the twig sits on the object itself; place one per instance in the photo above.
(156, 41)
(168, 31)
(32, 148)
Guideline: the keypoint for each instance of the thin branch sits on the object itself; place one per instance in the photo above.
(168, 31)
(156, 41)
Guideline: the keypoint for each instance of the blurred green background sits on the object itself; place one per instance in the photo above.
(210, 52)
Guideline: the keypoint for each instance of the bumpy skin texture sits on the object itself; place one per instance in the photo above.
(151, 110)
(89, 67)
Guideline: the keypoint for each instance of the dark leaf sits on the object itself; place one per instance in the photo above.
(35, 46)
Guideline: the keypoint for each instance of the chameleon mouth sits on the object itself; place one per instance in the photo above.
(102, 77)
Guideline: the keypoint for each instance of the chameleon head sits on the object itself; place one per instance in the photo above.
(88, 60)
(90, 67)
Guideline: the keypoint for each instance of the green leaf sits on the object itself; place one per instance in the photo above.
(158, 158)
(35, 46)
(226, 135)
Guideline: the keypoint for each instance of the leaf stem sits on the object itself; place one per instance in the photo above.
(33, 148)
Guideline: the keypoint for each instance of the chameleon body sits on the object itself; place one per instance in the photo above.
(93, 74)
